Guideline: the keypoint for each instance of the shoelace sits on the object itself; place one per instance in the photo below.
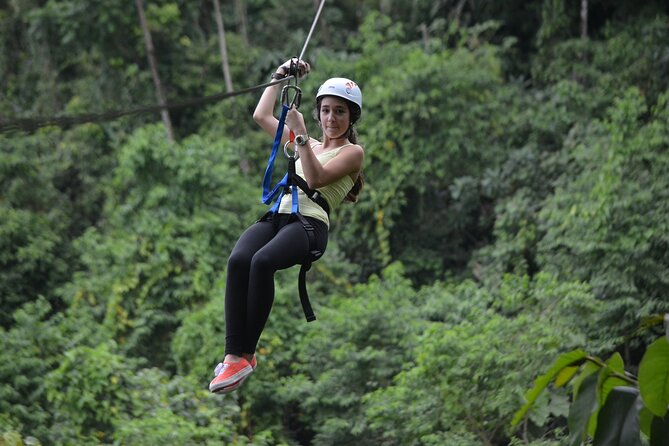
(219, 368)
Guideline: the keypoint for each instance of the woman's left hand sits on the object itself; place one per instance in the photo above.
(295, 121)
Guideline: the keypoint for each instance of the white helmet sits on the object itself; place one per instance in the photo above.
(343, 88)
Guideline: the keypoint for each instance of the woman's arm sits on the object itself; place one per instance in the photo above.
(264, 112)
(348, 162)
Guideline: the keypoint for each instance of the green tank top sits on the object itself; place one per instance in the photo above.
(334, 193)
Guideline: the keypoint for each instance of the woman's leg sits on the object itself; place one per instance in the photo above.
(289, 247)
(237, 283)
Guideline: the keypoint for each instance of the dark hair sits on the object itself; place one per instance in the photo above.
(355, 113)
(352, 195)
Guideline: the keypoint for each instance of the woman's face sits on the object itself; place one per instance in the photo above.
(335, 117)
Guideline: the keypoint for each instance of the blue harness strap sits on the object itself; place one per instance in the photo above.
(269, 194)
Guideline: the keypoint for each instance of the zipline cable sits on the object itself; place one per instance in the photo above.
(311, 31)
(32, 124)
(294, 69)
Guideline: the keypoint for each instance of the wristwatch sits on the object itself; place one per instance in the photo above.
(301, 140)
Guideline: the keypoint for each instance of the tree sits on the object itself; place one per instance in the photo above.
(439, 120)
(584, 19)
(169, 223)
(240, 12)
(150, 54)
(222, 45)
(610, 228)
(476, 351)
(362, 344)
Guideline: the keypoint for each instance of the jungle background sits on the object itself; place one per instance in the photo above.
(516, 207)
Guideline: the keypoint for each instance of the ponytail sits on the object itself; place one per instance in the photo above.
(352, 195)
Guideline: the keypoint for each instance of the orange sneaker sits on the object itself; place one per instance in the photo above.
(229, 375)
(230, 388)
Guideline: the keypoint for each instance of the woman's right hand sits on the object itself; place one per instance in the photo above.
(302, 69)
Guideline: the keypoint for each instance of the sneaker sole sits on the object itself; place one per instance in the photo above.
(229, 388)
(235, 379)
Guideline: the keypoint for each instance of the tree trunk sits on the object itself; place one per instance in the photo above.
(425, 35)
(456, 13)
(584, 19)
(150, 54)
(222, 46)
(240, 12)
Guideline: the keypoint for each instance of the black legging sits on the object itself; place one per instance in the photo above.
(276, 242)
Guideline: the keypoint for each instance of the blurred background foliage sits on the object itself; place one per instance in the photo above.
(516, 207)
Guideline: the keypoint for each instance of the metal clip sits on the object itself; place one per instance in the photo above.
(295, 156)
(296, 98)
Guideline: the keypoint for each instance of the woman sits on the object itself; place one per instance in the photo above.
(333, 166)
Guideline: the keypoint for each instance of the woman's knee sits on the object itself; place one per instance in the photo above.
(263, 263)
(239, 261)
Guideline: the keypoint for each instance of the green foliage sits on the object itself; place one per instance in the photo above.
(361, 343)
(198, 344)
(42, 207)
(174, 211)
(167, 410)
(554, 22)
(610, 227)
(29, 350)
(629, 55)
(500, 149)
(620, 418)
(610, 403)
(654, 377)
(100, 396)
(471, 362)
(562, 371)
(435, 121)
(88, 390)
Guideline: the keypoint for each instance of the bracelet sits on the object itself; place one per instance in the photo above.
(278, 76)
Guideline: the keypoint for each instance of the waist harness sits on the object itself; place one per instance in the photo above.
(289, 184)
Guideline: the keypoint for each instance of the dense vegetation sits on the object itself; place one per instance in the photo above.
(516, 209)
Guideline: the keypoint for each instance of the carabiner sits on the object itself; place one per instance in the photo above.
(296, 98)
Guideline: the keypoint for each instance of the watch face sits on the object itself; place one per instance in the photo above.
(301, 140)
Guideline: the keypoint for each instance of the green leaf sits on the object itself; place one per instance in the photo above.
(605, 383)
(570, 359)
(618, 420)
(566, 375)
(654, 377)
(582, 409)
(588, 369)
(659, 431)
